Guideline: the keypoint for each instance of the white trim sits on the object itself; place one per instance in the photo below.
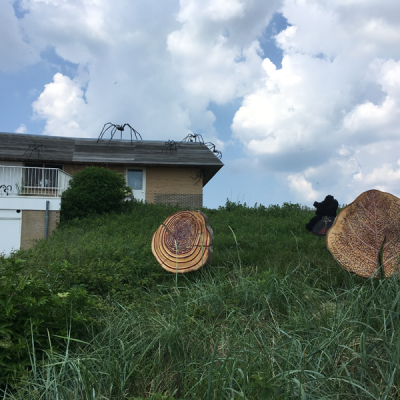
(6, 214)
(37, 203)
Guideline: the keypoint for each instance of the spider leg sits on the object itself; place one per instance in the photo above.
(113, 133)
(27, 149)
(130, 130)
(186, 138)
(104, 130)
(136, 133)
(199, 175)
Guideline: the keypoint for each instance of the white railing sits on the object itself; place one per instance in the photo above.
(32, 181)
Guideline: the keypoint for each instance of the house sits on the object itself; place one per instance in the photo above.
(35, 170)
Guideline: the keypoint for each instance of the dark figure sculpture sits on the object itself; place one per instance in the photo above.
(35, 146)
(119, 128)
(193, 137)
(199, 176)
(170, 145)
(211, 146)
(325, 215)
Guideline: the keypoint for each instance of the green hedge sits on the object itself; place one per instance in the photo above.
(93, 190)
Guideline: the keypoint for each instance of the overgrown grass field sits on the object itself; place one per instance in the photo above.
(90, 314)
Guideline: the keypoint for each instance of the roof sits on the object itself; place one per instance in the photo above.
(20, 147)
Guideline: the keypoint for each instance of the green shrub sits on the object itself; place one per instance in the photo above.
(34, 314)
(93, 191)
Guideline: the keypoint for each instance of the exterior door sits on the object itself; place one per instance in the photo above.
(10, 230)
(137, 181)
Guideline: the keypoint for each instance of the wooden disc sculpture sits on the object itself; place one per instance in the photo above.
(366, 235)
(183, 243)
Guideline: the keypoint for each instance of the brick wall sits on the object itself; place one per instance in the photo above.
(34, 225)
(174, 185)
(182, 200)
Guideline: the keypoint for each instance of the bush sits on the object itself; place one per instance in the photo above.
(34, 314)
(93, 191)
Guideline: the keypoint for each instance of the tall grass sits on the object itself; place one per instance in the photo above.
(272, 317)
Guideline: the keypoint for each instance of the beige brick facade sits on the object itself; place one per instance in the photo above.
(174, 185)
(34, 225)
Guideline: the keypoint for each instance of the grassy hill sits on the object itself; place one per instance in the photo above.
(89, 313)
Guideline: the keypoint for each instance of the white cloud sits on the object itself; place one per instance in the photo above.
(62, 106)
(15, 51)
(216, 50)
(386, 178)
(169, 59)
(302, 188)
(334, 107)
(21, 129)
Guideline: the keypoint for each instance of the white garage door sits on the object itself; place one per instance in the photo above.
(10, 230)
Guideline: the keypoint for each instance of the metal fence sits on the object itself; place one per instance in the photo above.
(32, 181)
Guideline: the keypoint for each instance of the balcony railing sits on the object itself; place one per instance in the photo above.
(30, 181)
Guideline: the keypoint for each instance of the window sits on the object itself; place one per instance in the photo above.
(37, 175)
(135, 179)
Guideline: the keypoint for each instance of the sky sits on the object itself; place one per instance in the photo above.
(302, 97)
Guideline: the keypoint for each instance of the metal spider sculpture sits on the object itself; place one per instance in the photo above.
(115, 128)
(170, 145)
(199, 175)
(193, 137)
(211, 146)
(35, 146)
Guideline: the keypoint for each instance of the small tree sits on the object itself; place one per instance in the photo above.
(93, 190)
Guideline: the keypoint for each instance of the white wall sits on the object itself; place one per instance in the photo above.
(11, 219)
(10, 231)
(29, 203)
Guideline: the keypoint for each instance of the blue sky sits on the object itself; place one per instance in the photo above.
(301, 97)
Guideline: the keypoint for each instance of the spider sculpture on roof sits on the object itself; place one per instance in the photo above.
(193, 137)
(35, 146)
(115, 128)
(211, 146)
(170, 145)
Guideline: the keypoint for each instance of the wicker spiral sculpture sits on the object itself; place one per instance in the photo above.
(183, 243)
(366, 235)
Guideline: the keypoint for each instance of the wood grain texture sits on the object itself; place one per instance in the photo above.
(369, 223)
(183, 243)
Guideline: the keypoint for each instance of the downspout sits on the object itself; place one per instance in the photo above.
(46, 231)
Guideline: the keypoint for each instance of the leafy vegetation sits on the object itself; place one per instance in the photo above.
(93, 190)
(273, 316)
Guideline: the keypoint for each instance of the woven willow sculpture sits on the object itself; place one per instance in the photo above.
(366, 234)
(183, 243)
